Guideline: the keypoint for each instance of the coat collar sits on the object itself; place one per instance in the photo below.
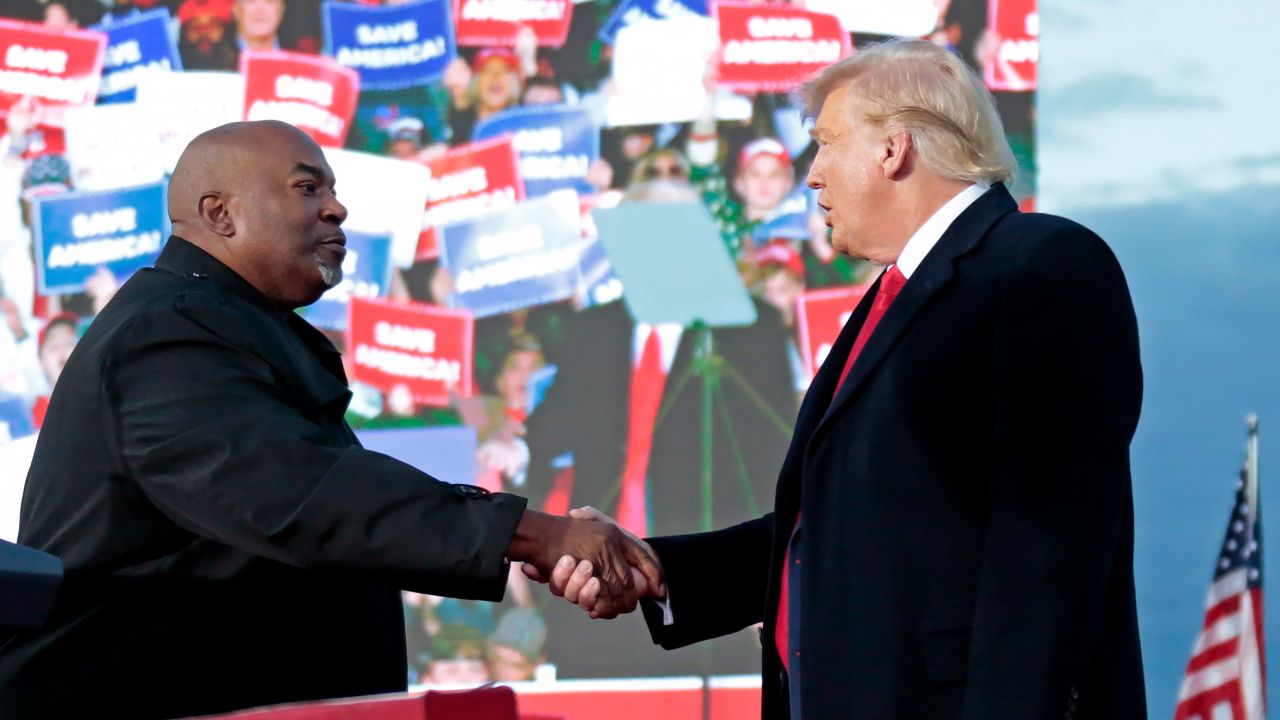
(933, 274)
(182, 257)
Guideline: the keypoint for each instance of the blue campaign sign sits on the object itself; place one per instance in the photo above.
(599, 283)
(366, 273)
(136, 45)
(445, 453)
(556, 145)
(15, 419)
(789, 220)
(77, 233)
(515, 257)
(391, 46)
(634, 11)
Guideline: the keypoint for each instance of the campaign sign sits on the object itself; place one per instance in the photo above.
(185, 104)
(136, 45)
(556, 143)
(789, 220)
(314, 94)
(820, 315)
(445, 453)
(426, 348)
(634, 12)
(772, 48)
(98, 158)
(516, 257)
(366, 273)
(1016, 25)
(467, 182)
(495, 22)
(600, 284)
(60, 68)
(391, 46)
(77, 233)
(15, 419)
(900, 18)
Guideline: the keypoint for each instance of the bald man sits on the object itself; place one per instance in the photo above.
(227, 541)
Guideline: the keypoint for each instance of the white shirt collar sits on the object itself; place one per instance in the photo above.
(668, 341)
(931, 231)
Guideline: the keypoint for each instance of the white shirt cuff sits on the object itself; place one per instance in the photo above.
(665, 603)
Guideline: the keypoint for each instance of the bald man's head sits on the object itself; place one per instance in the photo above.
(259, 197)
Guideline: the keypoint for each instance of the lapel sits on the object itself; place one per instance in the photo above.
(933, 274)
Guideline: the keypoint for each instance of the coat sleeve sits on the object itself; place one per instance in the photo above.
(716, 582)
(1069, 388)
(214, 442)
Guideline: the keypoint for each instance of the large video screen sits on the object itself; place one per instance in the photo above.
(524, 178)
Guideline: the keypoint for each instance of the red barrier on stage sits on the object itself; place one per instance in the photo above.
(666, 698)
(734, 698)
(486, 703)
(726, 698)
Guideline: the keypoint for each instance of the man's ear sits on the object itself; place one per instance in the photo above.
(215, 215)
(894, 155)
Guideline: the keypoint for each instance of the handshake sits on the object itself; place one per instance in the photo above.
(589, 560)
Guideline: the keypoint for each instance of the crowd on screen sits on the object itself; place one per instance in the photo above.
(743, 170)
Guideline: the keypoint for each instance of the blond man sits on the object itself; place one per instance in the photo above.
(953, 530)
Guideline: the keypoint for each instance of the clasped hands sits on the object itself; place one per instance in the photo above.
(605, 581)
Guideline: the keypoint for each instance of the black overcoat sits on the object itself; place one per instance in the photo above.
(227, 541)
(966, 496)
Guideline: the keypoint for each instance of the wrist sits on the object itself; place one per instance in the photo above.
(532, 532)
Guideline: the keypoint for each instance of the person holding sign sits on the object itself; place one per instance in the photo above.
(227, 541)
(953, 530)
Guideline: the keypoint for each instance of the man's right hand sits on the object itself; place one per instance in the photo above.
(574, 579)
(544, 540)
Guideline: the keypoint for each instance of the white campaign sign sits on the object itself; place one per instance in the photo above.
(185, 104)
(383, 196)
(658, 69)
(903, 18)
(98, 158)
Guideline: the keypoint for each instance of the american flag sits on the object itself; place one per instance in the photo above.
(1227, 676)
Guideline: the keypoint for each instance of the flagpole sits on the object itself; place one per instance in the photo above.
(1251, 472)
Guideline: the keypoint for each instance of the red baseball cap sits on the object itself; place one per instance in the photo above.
(771, 147)
(780, 253)
(506, 55)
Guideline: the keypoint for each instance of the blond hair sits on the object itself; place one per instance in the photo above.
(927, 91)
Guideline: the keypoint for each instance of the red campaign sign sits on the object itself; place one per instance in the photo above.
(1016, 26)
(61, 68)
(495, 22)
(424, 347)
(772, 48)
(466, 182)
(314, 94)
(820, 316)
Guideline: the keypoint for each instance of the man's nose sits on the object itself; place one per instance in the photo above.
(814, 178)
(335, 212)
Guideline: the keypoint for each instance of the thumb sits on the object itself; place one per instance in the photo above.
(532, 573)
(643, 559)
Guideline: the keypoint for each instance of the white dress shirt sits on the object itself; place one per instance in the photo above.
(928, 235)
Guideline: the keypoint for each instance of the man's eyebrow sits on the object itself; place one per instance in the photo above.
(316, 172)
(312, 170)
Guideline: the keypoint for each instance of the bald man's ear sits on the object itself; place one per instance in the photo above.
(894, 155)
(215, 215)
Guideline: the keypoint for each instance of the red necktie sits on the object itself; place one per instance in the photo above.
(890, 284)
(647, 382)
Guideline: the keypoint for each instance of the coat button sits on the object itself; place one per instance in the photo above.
(470, 490)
